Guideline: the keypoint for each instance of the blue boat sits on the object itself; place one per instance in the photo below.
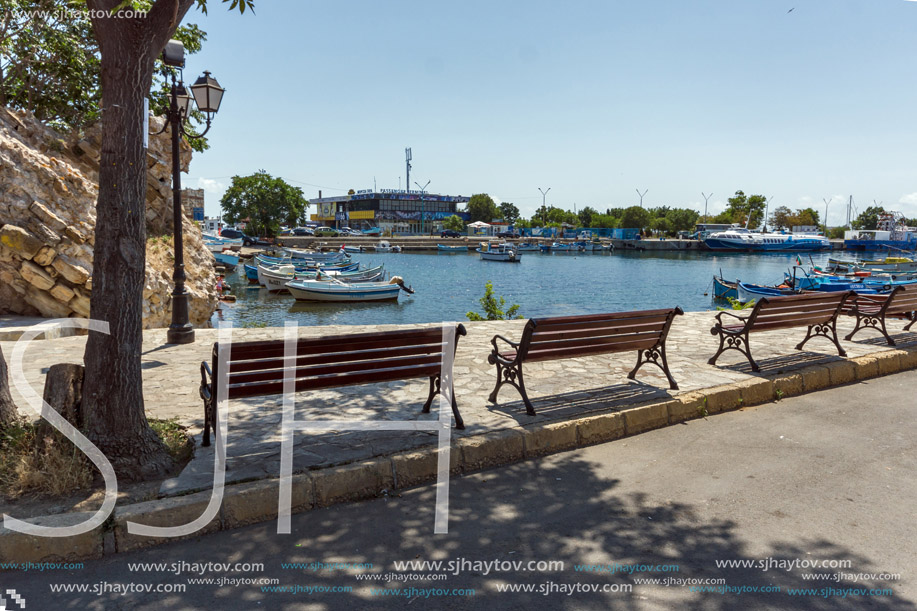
(446, 248)
(743, 240)
(724, 289)
(251, 272)
(226, 260)
(748, 292)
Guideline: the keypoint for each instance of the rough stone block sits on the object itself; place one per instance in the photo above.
(755, 391)
(70, 270)
(166, 512)
(788, 385)
(723, 399)
(645, 418)
(598, 429)
(80, 304)
(48, 218)
(258, 501)
(866, 367)
(889, 362)
(19, 547)
(908, 359)
(45, 303)
(414, 468)
(352, 482)
(36, 276)
(842, 372)
(816, 378)
(491, 449)
(20, 241)
(62, 293)
(550, 438)
(45, 256)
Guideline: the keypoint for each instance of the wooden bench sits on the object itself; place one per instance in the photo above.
(573, 336)
(257, 368)
(872, 310)
(817, 311)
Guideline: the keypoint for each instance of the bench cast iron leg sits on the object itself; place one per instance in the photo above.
(512, 375)
(825, 330)
(912, 316)
(656, 356)
(436, 388)
(877, 323)
(733, 342)
(205, 442)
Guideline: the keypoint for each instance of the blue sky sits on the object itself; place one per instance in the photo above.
(591, 99)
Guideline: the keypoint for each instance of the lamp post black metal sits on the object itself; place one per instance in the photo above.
(207, 95)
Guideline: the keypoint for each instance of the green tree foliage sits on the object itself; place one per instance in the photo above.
(605, 221)
(481, 207)
(744, 209)
(635, 217)
(493, 307)
(454, 222)
(784, 218)
(586, 215)
(780, 218)
(262, 202)
(682, 219)
(836, 233)
(50, 64)
(869, 218)
(509, 212)
(661, 225)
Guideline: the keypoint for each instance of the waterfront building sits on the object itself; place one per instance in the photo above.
(399, 211)
(192, 201)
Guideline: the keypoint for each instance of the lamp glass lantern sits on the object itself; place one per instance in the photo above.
(207, 93)
(183, 100)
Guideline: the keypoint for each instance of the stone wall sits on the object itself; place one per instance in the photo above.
(48, 192)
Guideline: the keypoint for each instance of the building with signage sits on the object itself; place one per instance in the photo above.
(193, 202)
(399, 211)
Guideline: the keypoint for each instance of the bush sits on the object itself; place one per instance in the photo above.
(493, 310)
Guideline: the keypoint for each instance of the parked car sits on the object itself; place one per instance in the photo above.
(303, 231)
(284, 232)
(450, 233)
(235, 234)
(508, 234)
(349, 231)
(326, 232)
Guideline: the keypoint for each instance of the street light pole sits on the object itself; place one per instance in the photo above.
(827, 201)
(207, 95)
(706, 199)
(645, 191)
(423, 207)
(544, 208)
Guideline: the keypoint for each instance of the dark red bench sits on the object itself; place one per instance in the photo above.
(872, 310)
(816, 311)
(573, 336)
(257, 368)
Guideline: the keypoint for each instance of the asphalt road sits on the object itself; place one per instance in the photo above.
(830, 477)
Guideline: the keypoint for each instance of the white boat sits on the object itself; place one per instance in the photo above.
(294, 253)
(215, 241)
(276, 279)
(500, 252)
(314, 290)
(526, 247)
(739, 239)
(385, 246)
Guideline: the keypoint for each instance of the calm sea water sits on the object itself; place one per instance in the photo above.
(449, 285)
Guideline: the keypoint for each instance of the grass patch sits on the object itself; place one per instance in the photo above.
(36, 459)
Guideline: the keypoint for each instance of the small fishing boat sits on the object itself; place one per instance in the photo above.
(499, 252)
(558, 247)
(313, 290)
(293, 253)
(215, 241)
(372, 232)
(251, 273)
(448, 248)
(888, 264)
(226, 260)
(351, 248)
(526, 247)
(275, 280)
(386, 246)
(748, 292)
(724, 289)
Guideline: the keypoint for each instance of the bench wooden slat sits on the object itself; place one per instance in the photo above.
(654, 327)
(558, 353)
(303, 372)
(334, 380)
(357, 341)
(336, 357)
(547, 327)
(563, 320)
(610, 342)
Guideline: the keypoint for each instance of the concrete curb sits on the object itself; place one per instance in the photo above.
(254, 502)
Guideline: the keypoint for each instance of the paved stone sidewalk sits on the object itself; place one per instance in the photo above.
(560, 390)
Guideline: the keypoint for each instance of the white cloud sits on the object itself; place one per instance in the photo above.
(496, 199)
(910, 198)
(210, 186)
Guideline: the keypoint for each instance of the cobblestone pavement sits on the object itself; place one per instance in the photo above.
(559, 389)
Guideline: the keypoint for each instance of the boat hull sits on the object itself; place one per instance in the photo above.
(724, 289)
(332, 292)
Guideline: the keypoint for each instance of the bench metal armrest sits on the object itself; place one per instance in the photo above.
(495, 355)
(719, 319)
(206, 389)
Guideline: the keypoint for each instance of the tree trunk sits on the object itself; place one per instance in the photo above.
(113, 408)
(8, 412)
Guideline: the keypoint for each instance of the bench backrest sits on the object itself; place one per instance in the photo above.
(571, 336)
(902, 299)
(796, 310)
(257, 368)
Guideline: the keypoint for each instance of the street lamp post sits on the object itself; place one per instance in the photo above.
(706, 199)
(423, 207)
(207, 96)
(543, 206)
